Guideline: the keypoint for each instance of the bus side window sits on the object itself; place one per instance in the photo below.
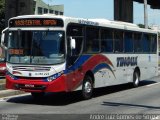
(118, 41)
(138, 42)
(78, 46)
(92, 40)
(128, 42)
(76, 33)
(107, 40)
(146, 43)
(153, 43)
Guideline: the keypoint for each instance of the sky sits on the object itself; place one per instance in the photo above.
(103, 9)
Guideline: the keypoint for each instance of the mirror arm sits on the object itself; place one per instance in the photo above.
(3, 38)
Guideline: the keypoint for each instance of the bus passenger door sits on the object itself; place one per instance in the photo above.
(74, 52)
(74, 67)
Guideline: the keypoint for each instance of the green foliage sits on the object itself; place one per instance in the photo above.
(2, 7)
(141, 25)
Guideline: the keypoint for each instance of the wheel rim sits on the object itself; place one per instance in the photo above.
(87, 87)
(137, 79)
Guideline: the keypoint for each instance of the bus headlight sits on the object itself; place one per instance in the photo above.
(55, 76)
(12, 76)
(2, 68)
(51, 78)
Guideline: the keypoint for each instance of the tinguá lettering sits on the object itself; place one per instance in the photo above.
(126, 61)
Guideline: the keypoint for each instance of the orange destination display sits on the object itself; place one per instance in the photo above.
(16, 51)
(36, 22)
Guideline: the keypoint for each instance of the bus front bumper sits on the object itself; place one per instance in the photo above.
(31, 85)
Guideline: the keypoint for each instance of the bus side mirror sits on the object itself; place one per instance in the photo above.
(73, 43)
(3, 42)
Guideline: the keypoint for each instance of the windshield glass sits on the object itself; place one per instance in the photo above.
(36, 47)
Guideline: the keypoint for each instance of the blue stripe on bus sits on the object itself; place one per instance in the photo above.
(78, 63)
(101, 66)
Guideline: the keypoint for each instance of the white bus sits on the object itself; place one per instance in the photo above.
(48, 53)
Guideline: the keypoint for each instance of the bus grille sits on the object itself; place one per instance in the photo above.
(31, 68)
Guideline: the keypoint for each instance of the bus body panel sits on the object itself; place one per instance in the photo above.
(105, 71)
(58, 85)
(105, 75)
(2, 68)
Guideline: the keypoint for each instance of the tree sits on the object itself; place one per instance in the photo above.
(141, 25)
(2, 15)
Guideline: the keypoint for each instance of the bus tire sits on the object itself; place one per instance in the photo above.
(87, 87)
(37, 95)
(136, 79)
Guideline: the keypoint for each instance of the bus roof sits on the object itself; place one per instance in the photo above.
(94, 22)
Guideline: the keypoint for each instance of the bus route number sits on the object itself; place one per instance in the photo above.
(16, 51)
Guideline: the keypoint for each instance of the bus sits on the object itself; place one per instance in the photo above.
(50, 53)
(2, 67)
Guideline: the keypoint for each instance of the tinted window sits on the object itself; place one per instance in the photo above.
(118, 41)
(138, 42)
(107, 40)
(36, 47)
(146, 42)
(76, 32)
(92, 40)
(153, 43)
(128, 42)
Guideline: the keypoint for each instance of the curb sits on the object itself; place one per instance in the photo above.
(6, 93)
(2, 81)
(2, 86)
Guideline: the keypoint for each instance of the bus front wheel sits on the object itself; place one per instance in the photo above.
(87, 87)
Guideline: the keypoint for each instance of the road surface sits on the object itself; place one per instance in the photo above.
(116, 100)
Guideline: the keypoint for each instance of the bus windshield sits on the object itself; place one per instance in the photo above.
(36, 47)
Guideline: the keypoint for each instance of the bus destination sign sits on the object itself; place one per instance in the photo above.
(36, 22)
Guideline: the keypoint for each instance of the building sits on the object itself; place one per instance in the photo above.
(17, 7)
(42, 8)
(123, 10)
(29, 7)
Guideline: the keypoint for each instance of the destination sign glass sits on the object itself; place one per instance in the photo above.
(16, 51)
(40, 22)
